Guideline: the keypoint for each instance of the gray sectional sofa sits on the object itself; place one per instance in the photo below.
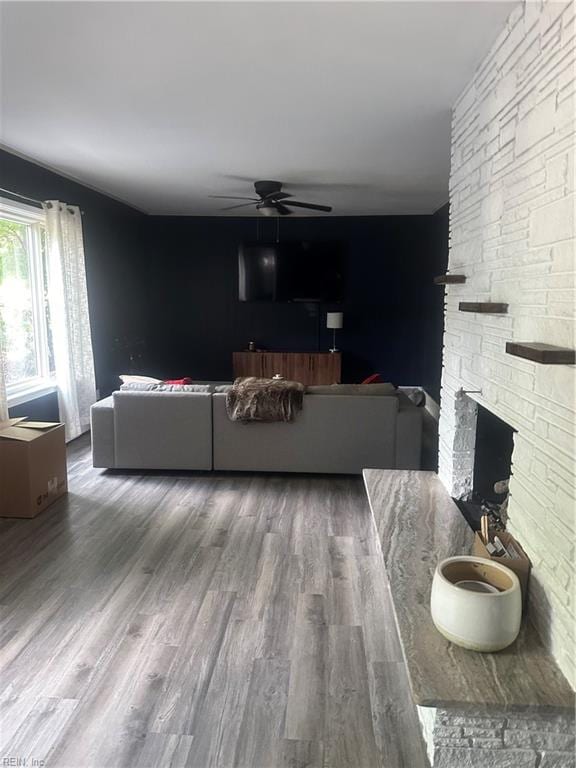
(340, 434)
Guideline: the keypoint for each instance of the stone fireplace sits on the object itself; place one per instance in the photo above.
(512, 237)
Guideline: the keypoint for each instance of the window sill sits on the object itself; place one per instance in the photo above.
(30, 392)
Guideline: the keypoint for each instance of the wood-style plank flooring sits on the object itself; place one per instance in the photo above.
(159, 620)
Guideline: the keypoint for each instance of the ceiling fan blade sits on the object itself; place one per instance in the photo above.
(235, 177)
(276, 196)
(282, 209)
(310, 206)
(229, 197)
(232, 207)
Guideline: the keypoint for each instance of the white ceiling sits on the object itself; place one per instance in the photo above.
(162, 104)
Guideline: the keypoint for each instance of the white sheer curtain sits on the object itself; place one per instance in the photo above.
(68, 302)
(3, 400)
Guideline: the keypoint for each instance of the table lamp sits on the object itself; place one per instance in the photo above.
(334, 320)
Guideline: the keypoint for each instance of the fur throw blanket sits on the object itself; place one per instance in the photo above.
(252, 399)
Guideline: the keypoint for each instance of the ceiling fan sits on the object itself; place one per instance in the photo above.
(271, 201)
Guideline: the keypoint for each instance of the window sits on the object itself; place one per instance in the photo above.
(24, 314)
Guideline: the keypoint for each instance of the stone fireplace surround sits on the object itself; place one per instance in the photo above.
(512, 209)
(512, 236)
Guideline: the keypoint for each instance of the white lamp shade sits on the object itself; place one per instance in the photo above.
(334, 319)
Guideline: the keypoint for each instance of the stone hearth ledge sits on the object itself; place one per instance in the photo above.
(511, 708)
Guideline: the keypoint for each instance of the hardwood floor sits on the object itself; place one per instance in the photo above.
(209, 620)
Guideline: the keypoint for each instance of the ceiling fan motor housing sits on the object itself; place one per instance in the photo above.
(263, 188)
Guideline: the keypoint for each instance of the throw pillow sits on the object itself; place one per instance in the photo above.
(128, 378)
(374, 379)
(185, 380)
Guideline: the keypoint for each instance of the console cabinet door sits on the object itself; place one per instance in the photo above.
(326, 368)
(300, 368)
(273, 363)
(312, 367)
(247, 364)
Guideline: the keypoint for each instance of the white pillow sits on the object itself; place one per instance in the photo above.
(139, 386)
(128, 378)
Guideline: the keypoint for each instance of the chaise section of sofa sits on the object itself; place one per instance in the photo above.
(153, 430)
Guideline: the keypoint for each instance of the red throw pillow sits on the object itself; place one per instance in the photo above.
(374, 379)
(185, 380)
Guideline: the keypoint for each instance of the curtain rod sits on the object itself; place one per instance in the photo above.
(23, 197)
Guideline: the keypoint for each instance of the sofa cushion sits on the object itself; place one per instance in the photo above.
(142, 387)
(213, 386)
(352, 389)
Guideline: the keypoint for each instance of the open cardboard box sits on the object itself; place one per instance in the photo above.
(32, 466)
(520, 566)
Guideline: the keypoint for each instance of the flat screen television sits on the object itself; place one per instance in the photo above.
(291, 271)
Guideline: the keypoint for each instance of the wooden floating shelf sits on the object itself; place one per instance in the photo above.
(542, 353)
(485, 307)
(449, 279)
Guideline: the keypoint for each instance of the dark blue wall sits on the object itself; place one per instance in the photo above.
(40, 409)
(393, 313)
(113, 243)
(164, 297)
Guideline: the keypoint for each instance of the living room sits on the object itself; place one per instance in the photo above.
(357, 218)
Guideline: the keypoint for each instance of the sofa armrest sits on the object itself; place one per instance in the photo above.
(102, 433)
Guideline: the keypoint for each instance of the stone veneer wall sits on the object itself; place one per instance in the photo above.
(491, 738)
(512, 235)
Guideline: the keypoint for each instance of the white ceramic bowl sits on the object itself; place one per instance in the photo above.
(478, 620)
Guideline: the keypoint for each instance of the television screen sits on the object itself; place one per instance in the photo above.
(291, 271)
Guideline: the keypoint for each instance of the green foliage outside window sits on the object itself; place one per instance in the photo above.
(18, 326)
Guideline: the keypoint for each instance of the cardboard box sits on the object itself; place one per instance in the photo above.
(32, 466)
(520, 566)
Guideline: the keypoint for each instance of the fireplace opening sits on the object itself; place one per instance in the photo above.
(492, 456)
(493, 445)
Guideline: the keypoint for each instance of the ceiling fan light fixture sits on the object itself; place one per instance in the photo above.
(267, 208)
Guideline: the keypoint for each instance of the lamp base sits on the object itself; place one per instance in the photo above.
(333, 350)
